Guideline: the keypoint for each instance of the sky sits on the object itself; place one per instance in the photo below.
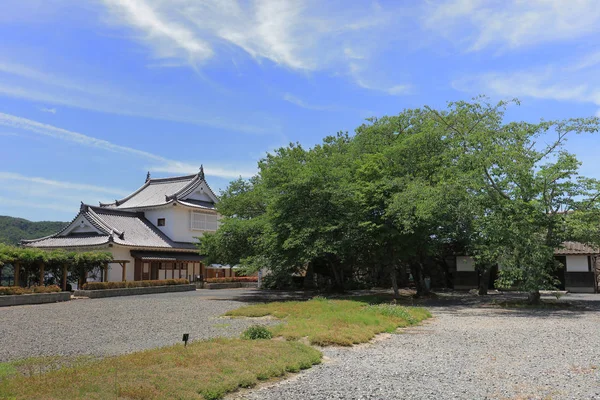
(95, 93)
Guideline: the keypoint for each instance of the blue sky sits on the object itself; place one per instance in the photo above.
(95, 93)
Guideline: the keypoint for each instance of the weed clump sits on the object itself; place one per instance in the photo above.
(257, 332)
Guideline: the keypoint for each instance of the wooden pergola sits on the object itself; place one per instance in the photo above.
(122, 263)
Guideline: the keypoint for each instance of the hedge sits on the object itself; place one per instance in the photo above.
(133, 284)
(14, 290)
(234, 279)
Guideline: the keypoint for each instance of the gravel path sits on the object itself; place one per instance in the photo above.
(116, 325)
(465, 352)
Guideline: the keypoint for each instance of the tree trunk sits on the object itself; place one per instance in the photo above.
(338, 284)
(417, 271)
(403, 276)
(309, 277)
(394, 282)
(533, 297)
(484, 280)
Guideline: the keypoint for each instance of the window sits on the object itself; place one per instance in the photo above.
(203, 222)
(161, 222)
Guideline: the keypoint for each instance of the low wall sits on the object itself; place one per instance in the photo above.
(230, 285)
(96, 294)
(35, 298)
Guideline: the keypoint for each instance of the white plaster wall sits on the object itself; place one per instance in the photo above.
(168, 214)
(577, 264)
(114, 270)
(177, 223)
(465, 263)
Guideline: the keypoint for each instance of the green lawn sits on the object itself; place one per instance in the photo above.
(204, 369)
(209, 369)
(334, 322)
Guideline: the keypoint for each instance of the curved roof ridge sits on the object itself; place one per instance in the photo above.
(102, 225)
(172, 179)
(187, 188)
(124, 199)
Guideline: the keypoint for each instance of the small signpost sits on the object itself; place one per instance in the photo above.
(186, 337)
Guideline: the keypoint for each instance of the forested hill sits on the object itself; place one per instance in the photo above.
(12, 230)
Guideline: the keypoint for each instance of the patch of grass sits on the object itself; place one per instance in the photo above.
(334, 322)
(7, 370)
(203, 369)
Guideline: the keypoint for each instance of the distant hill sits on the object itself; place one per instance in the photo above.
(12, 230)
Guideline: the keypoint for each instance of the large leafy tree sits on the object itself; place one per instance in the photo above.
(406, 190)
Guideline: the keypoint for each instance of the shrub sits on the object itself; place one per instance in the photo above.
(11, 290)
(133, 284)
(17, 290)
(257, 332)
(233, 279)
(46, 289)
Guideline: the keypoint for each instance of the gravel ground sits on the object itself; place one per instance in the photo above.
(465, 352)
(117, 325)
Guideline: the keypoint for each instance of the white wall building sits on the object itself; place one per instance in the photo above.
(151, 233)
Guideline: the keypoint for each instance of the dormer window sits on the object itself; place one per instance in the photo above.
(161, 222)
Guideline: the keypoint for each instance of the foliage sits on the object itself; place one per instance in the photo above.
(30, 261)
(13, 230)
(133, 284)
(255, 332)
(334, 322)
(234, 279)
(208, 368)
(407, 191)
(8, 290)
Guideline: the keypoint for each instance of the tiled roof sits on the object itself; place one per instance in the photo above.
(116, 226)
(574, 248)
(162, 191)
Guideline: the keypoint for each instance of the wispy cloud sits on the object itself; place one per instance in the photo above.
(358, 73)
(163, 164)
(302, 35)
(48, 110)
(566, 82)
(60, 206)
(10, 176)
(512, 23)
(43, 87)
(290, 98)
(169, 37)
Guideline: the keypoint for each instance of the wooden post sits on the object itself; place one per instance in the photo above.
(64, 278)
(17, 279)
(105, 277)
(42, 274)
(124, 269)
(172, 270)
(84, 280)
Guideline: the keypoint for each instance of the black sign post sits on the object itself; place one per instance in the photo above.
(186, 337)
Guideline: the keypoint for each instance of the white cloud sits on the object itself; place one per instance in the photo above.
(303, 35)
(170, 38)
(552, 82)
(290, 98)
(51, 89)
(9, 176)
(48, 110)
(358, 73)
(164, 164)
(512, 23)
(60, 206)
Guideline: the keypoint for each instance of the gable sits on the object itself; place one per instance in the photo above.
(201, 193)
(80, 225)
